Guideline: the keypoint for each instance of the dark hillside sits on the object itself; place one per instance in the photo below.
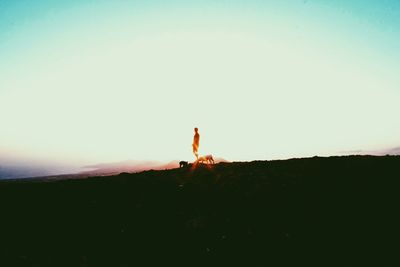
(337, 211)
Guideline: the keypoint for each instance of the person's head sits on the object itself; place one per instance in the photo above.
(196, 129)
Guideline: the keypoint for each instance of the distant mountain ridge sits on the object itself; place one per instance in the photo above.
(101, 169)
(29, 171)
(21, 170)
(134, 166)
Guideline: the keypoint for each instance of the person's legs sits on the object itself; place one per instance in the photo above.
(195, 151)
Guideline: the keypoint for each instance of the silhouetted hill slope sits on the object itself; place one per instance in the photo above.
(337, 211)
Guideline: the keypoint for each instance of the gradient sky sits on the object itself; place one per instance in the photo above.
(98, 81)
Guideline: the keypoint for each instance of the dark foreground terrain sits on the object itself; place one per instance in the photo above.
(337, 211)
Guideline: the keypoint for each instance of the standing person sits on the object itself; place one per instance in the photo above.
(196, 141)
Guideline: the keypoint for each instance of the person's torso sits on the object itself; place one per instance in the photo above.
(196, 138)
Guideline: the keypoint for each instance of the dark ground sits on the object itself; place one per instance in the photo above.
(337, 211)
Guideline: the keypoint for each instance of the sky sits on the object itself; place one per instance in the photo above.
(84, 82)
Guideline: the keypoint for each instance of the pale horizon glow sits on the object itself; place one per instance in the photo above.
(89, 82)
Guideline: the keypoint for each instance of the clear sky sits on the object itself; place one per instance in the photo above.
(83, 82)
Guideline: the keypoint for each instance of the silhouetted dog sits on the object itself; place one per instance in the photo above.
(208, 159)
(183, 164)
